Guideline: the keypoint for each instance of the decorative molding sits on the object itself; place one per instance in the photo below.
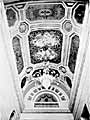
(84, 40)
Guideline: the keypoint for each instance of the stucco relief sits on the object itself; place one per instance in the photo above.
(40, 97)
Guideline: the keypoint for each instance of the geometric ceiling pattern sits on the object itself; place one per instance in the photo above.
(45, 41)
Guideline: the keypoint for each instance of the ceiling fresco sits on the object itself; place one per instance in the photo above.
(45, 42)
(73, 52)
(49, 12)
(45, 45)
(18, 53)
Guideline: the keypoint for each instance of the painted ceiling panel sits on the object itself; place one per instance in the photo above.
(49, 12)
(45, 45)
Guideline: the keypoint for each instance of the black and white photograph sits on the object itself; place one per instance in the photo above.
(44, 59)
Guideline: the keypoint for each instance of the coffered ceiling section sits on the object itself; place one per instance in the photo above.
(45, 39)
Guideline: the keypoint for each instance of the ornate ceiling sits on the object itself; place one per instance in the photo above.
(45, 39)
